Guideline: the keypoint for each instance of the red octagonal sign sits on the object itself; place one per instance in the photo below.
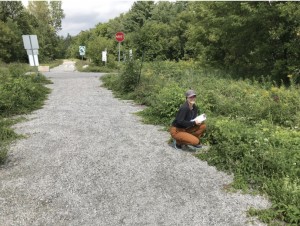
(120, 36)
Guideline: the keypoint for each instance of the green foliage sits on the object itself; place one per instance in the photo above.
(99, 44)
(246, 39)
(129, 75)
(258, 38)
(139, 13)
(109, 68)
(7, 38)
(253, 127)
(40, 18)
(19, 94)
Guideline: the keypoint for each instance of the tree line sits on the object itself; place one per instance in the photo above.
(252, 39)
(41, 18)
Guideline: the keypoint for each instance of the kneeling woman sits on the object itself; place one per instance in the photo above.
(182, 127)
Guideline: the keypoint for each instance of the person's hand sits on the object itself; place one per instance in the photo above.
(198, 123)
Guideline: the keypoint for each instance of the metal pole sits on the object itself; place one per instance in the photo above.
(141, 66)
(106, 56)
(119, 55)
(33, 58)
(81, 60)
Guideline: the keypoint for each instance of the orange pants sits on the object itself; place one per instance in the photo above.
(184, 136)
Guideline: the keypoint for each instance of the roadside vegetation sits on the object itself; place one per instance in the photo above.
(19, 94)
(252, 127)
(112, 67)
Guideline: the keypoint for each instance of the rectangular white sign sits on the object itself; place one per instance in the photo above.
(104, 56)
(35, 52)
(35, 59)
(33, 39)
(81, 54)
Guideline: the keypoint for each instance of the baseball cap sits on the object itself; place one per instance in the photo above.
(190, 93)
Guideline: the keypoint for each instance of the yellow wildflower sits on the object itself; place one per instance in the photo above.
(290, 76)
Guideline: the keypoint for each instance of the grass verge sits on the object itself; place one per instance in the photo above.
(19, 94)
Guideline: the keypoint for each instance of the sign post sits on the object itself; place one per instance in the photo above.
(119, 37)
(31, 45)
(104, 56)
(82, 52)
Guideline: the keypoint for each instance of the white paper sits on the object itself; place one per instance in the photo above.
(200, 118)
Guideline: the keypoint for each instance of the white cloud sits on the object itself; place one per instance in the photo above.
(83, 15)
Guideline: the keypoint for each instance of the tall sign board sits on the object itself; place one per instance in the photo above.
(31, 45)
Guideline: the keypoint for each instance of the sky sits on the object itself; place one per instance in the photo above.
(83, 15)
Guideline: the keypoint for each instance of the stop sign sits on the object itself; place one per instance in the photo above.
(120, 36)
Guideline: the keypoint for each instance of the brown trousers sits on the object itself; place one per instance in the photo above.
(184, 136)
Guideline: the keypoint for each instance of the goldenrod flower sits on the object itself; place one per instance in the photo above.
(290, 76)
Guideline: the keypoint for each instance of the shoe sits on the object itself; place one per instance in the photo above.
(178, 147)
(195, 146)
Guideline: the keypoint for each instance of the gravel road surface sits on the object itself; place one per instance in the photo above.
(89, 161)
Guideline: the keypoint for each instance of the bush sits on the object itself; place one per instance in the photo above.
(129, 76)
(19, 94)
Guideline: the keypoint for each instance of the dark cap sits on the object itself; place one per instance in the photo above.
(190, 93)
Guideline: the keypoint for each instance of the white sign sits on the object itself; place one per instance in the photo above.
(27, 39)
(104, 56)
(31, 45)
(81, 54)
(82, 49)
(36, 60)
(34, 51)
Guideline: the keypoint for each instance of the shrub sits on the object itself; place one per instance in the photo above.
(19, 93)
(130, 75)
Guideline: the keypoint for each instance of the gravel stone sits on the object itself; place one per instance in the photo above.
(89, 161)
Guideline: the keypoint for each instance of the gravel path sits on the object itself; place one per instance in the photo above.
(90, 161)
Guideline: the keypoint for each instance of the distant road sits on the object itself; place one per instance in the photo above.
(59, 72)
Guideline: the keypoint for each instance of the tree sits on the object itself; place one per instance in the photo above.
(115, 25)
(139, 13)
(7, 38)
(101, 29)
(154, 37)
(41, 11)
(166, 12)
(99, 45)
(56, 14)
(10, 9)
(258, 38)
